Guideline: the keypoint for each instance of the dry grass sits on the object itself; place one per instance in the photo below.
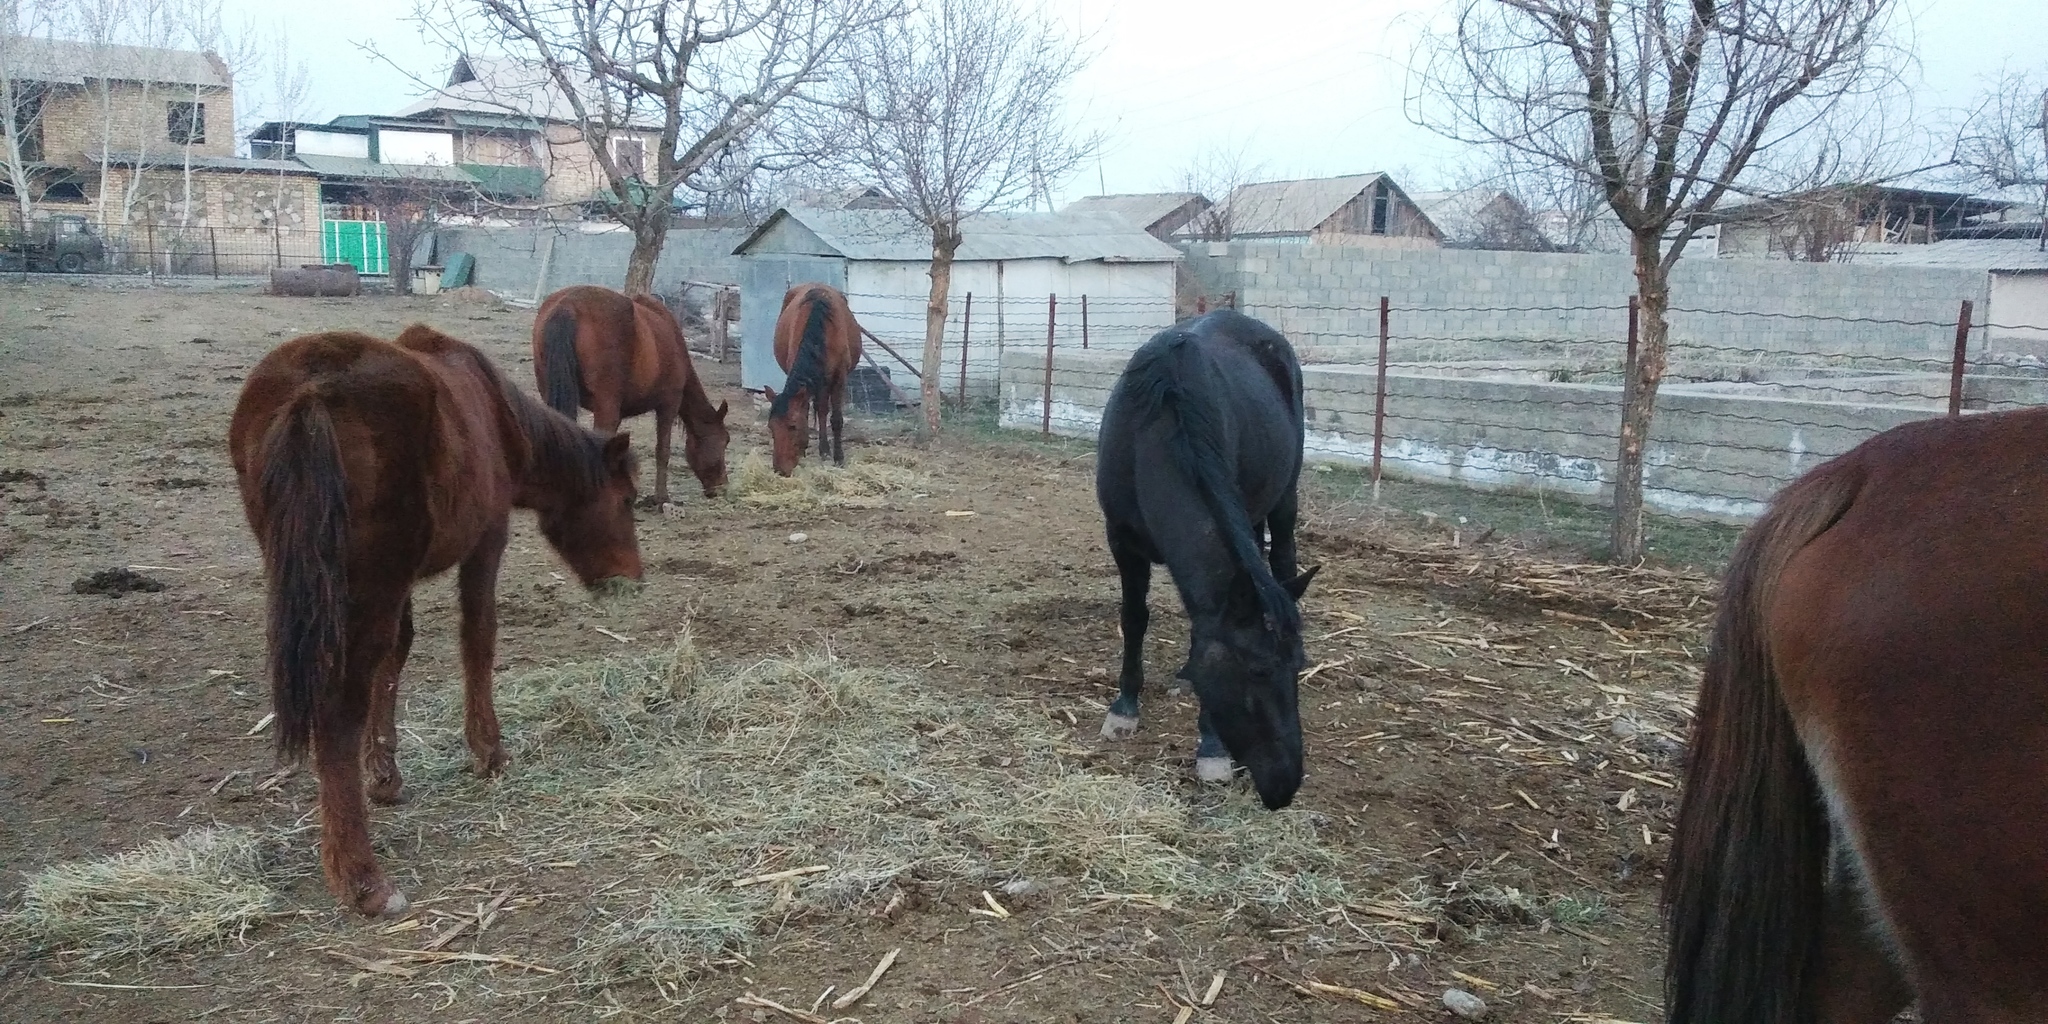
(699, 775)
(869, 480)
(205, 886)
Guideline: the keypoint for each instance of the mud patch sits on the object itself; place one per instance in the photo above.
(116, 582)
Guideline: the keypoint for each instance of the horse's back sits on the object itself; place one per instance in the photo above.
(1908, 642)
(1241, 374)
(842, 331)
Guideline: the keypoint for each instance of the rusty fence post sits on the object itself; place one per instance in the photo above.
(213, 246)
(1379, 403)
(967, 321)
(1955, 371)
(1084, 321)
(1052, 306)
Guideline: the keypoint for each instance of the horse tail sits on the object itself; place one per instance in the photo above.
(305, 536)
(1742, 892)
(559, 365)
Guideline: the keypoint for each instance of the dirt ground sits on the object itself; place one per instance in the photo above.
(1492, 736)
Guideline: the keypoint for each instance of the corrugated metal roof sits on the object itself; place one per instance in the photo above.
(1986, 254)
(1292, 207)
(174, 158)
(893, 235)
(1456, 212)
(371, 170)
(1142, 209)
(509, 182)
(72, 62)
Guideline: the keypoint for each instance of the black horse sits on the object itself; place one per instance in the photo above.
(1200, 448)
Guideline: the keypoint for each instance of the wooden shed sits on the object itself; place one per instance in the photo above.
(1011, 263)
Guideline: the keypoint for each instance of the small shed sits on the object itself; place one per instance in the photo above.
(1482, 218)
(1162, 214)
(2018, 285)
(1365, 210)
(1011, 263)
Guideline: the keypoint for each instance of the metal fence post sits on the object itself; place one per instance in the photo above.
(1379, 404)
(1955, 372)
(213, 246)
(149, 236)
(967, 323)
(1052, 306)
(1084, 321)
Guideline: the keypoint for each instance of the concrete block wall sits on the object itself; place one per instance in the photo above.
(1325, 298)
(1712, 455)
(510, 260)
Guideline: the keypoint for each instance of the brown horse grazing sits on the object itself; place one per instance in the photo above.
(1865, 819)
(366, 466)
(817, 342)
(619, 357)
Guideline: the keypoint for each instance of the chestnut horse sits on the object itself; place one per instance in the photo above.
(817, 342)
(619, 357)
(1864, 811)
(365, 467)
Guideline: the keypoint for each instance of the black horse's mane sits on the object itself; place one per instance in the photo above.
(1160, 382)
(807, 370)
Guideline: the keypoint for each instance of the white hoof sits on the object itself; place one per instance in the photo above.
(395, 905)
(1212, 769)
(1118, 727)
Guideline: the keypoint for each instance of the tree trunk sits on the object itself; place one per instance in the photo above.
(650, 230)
(1639, 399)
(945, 242)
(398, 243)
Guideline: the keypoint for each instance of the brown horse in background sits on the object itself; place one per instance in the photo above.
(817, 342)
(621, 356)
(365, 467)
(1865, 819)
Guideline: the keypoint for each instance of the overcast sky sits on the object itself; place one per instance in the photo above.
(1305, 87)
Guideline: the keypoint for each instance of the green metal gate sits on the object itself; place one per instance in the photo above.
(360, 242)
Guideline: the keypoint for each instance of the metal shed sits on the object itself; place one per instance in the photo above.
(1010, 262)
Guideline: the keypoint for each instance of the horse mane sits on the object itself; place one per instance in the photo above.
(1156, 382)
(572, 457)
(807, 370)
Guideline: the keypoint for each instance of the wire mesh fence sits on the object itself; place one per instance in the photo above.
(171, 251)
(1498, 397)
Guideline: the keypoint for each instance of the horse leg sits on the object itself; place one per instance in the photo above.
(819, 413)
(478, 581)
(664, 422)
(839, 426)
(1136, 572)
(1857, 982)
(1212, 761)
(1280, 553)
(380, 743)
(345, 857)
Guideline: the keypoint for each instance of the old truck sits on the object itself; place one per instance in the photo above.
(64, 242)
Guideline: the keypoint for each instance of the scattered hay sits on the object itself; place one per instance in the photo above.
(706, 774)
(205, 886)
(868, 480)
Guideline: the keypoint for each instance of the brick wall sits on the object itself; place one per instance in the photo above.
(129, 117)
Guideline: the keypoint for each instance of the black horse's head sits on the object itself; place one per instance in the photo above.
(1246, 667)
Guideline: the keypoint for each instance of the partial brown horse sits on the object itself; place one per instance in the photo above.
(817, 342)
(365, 467)
(619, 357)
(1865, 818)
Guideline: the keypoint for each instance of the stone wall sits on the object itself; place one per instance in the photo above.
(1326, 299)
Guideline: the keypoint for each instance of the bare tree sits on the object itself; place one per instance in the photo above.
(957, 110)
(24, 26)
(1672, 107)
(683, 84)
(2002, 141)
(1215, 174)
(408, 207)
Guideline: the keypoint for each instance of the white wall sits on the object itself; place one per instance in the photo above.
(2020, 301)
(403, 147)
(313, 143)
(1127, 304)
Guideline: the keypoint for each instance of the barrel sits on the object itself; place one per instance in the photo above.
(316, 279)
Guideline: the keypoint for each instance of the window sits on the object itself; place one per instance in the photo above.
(186, 123)
(28, 120)
(631, 156)
(1381, 200)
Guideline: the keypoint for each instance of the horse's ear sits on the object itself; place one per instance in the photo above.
(723, 408)
(618, 454)
(767, 392)
(1299, 585)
